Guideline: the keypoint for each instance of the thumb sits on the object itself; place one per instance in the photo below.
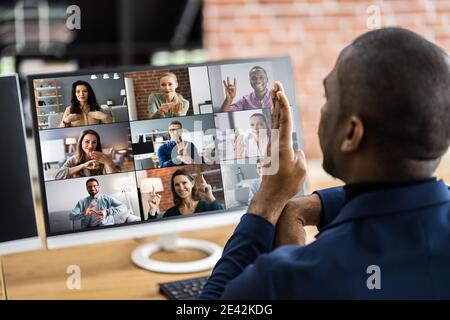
(301, 158)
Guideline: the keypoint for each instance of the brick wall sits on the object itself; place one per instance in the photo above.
(312, 32)
(214, 179)
(146, 82)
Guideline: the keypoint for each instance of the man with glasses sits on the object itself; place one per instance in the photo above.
(176, 151)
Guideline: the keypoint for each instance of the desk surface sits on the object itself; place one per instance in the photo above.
(107, 271)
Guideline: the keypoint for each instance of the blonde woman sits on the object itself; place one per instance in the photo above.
(167, 103)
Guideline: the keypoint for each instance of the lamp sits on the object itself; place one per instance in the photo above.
(123, 93)
(71, 142)
(105, 76)
(93, 77)
(116, 76)
(123, 186)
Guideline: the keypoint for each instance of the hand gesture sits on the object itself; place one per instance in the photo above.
(299, 212)
(177, 108)
(154, 202)
(230, 89)
(89, 210)
(204, 190)
(183, 154)
(165, 107)
(91, 165)
(102, 215)
(181, 148)
(72, 117)
(104, 158)
(287, 171)
(98, 115)
(240, 146)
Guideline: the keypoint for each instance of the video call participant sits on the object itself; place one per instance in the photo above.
(88, 160)
(255, 143)
(256, 184)
(383, 130)
(167, 103)
(176, 151)
(258, 99)
(189, 196)
(84, 109)
(97, 209)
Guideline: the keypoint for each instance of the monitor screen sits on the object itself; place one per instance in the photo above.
(142, 149)
(18, 231)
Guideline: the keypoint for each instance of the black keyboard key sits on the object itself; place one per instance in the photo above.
(188, 289)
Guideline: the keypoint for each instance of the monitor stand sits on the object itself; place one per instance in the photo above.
(170, 242)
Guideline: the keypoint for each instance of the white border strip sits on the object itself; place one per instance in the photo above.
(20, 245)
(145, 229)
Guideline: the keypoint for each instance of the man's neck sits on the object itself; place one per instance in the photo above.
(372, 169)
(261, 94)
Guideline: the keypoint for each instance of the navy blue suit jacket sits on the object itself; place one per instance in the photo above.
(165, 154)
(404, 231)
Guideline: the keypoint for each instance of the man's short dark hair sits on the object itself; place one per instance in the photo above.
(257, 68)
(176, 122)
(399, 84)
(92, 179)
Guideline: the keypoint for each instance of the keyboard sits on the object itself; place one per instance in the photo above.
(188, 289)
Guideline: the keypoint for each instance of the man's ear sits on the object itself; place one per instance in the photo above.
(354, 134)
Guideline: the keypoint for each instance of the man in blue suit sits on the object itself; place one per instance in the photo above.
(177, 152)
(386, 233)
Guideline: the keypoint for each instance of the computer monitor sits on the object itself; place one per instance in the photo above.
(182, 154)
(18, 230)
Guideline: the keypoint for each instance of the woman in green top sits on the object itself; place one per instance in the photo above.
(167, 103)
(189, 195)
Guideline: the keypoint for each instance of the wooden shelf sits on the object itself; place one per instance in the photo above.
(48, 97)
(52, 94)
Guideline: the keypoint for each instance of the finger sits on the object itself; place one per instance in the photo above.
(278, 86)
(301, 158)
(225, 84)
(275, 114)
(273, 91)
(235, 84)
(285, 120)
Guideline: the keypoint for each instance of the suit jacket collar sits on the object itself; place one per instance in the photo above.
(392, 200)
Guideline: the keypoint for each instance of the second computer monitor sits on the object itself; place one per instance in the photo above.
(18, 230)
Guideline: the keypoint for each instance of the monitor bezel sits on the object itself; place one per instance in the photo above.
(141, 228)
(28, 243)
